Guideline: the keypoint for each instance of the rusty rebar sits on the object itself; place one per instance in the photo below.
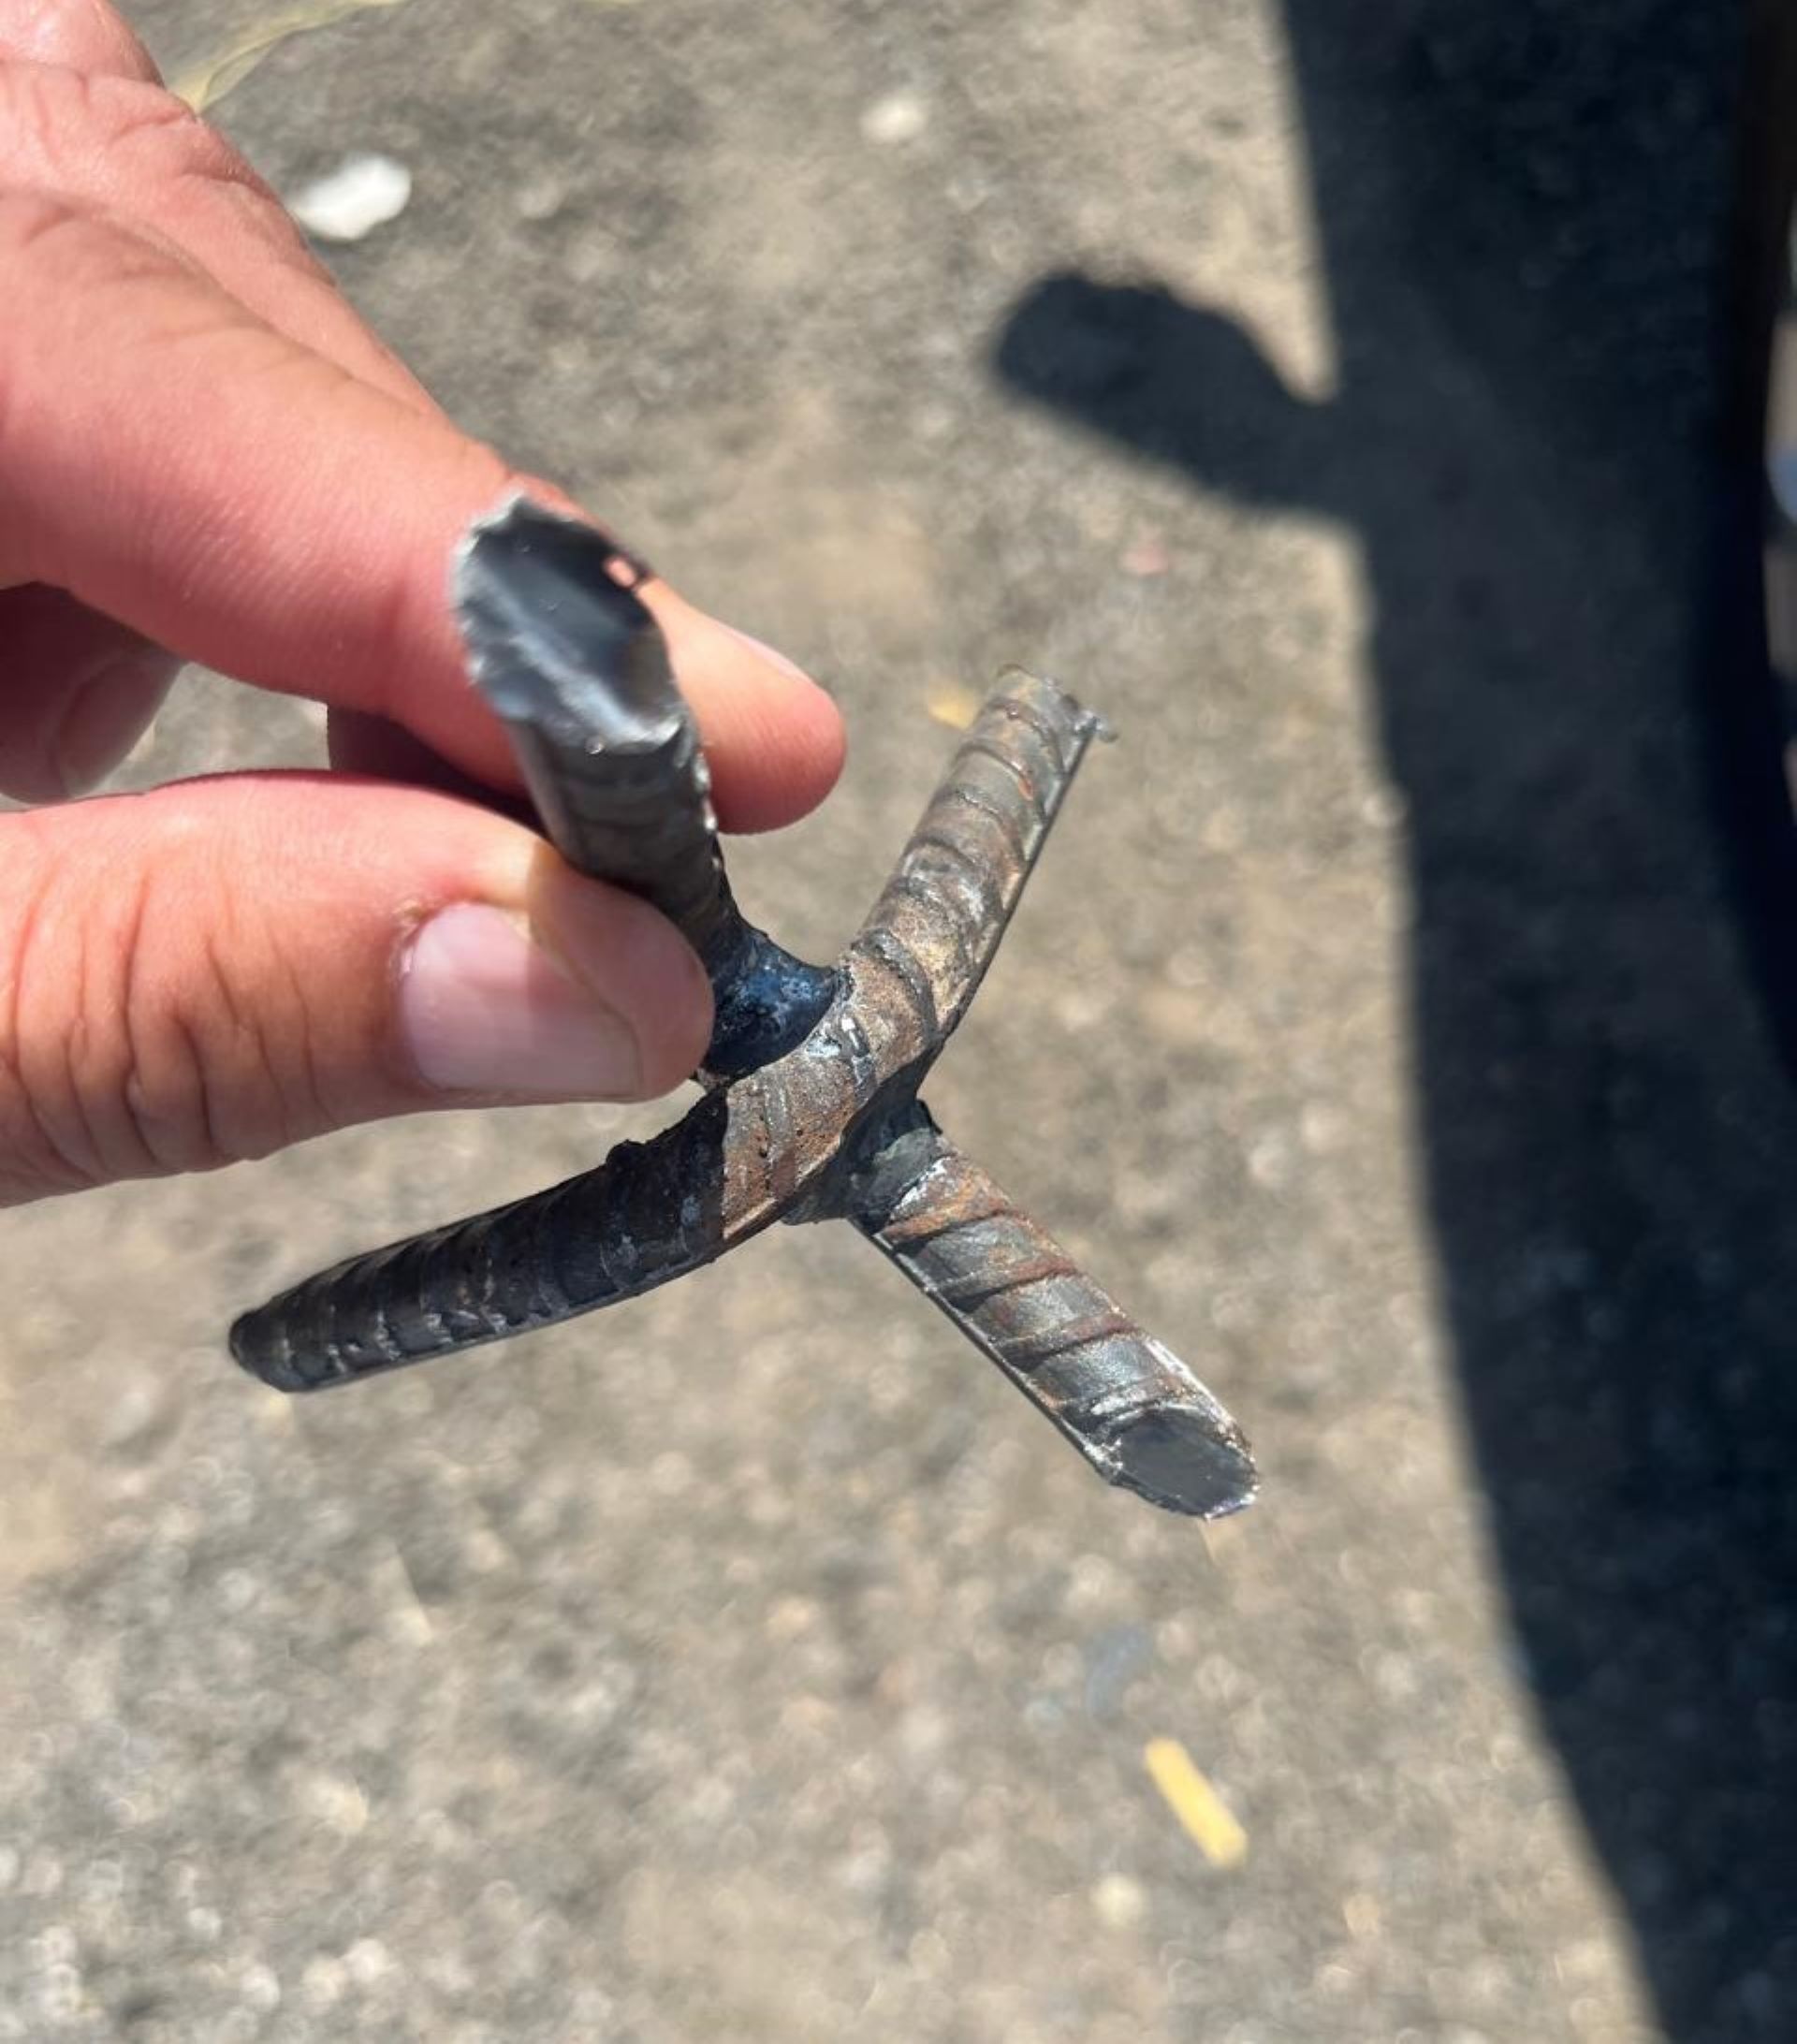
(830, 1128)
(1126, 1402)
(746, 1155)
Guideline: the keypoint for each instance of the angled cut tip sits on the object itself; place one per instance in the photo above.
(1184, 1459)
(553, 638)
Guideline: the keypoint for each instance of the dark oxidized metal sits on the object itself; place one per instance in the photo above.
(828, 1128)
(1131, 1409)
(575, 665)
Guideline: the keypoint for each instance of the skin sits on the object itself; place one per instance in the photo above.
(206, 455)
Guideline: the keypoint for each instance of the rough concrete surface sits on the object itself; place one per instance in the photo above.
(1320, 391)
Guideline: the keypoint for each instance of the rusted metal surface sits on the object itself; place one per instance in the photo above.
(831, 1129)
(1126, 1402)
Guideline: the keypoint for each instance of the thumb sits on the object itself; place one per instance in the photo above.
(218, 968)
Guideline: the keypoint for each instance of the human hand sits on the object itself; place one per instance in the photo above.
(203, 450)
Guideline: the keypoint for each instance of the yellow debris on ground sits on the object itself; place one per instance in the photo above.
(207, 82)
(952, 704)
(1206, 1819)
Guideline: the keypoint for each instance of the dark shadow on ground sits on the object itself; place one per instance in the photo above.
(1522, 207)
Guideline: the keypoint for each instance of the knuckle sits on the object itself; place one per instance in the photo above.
(157, 139)
(30, 218)
(126, 1049)
(80, 247)
(43, 1148)
(54, 255)
(130, 148)
(79, 273)
(62, 128)
(194, 1074)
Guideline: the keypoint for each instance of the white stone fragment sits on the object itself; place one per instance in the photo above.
(324, 1981)
(899, 117)
(260, 1986)
(363, 193)
(1118, 1902)
(368, 1961)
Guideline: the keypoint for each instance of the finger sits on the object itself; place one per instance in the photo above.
(384, 750)
(381, 751)
(222, 967)
(175, 463)
(78, 691)
(121, 146)
(85, 120)
(85, 34)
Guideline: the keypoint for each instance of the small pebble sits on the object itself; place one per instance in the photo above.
(1360, 1912)
(899, 117)
(368, 1961)
(542, 199)
(338, 1803)
(137, 1412)
(323, 1982)
(261, 1987)
(363, 193)
(1119, 1901)
(952, 704)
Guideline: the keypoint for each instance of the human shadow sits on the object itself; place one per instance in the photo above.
(1521, 209)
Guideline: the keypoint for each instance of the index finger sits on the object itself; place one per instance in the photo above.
(173, 462)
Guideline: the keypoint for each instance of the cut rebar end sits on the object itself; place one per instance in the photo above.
(554, 639)
(1179, 1458)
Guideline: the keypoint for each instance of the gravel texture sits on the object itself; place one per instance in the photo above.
(1321, 392)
